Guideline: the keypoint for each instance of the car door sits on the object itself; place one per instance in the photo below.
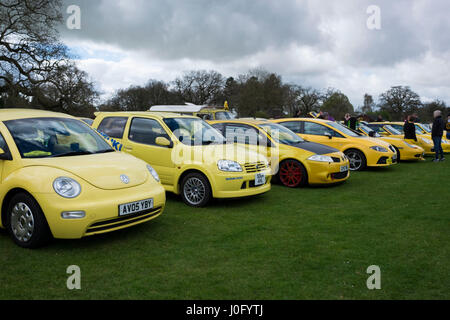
(140, 141)
(114, 129)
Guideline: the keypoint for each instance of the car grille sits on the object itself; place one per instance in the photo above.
(255, 166)
(339, 175)
(109, 224)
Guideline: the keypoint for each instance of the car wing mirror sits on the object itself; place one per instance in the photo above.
(164, 142)
(4, 155)
(327, 134)
(372, 134)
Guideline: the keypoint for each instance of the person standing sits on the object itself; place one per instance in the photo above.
(437, 132)
(409, 129)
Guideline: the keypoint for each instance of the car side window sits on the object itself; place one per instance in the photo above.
(219, 127)
(317, 129)
(294, 126)
(2, 143)
(145, 131)
(235, 133)
(113, 126)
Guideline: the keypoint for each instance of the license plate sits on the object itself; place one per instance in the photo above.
(260, 179)
(344, 168)
(135, 207)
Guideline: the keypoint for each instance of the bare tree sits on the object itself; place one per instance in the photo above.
(399, 101)
(200, 87)
(30, 51)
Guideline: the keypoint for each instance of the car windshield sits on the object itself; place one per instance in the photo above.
(343, 129)
(420, 130)
(397, 127)
(393, 131)
(223, 115)
(426, 127)
(55, 137)
(281, 134)
(366, 129)
(194, 131)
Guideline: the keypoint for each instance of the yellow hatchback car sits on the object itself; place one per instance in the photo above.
(362, 151)
(189, 155)
(294, 161)
(60, 178)
(405, 151)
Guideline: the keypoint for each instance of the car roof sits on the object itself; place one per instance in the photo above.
(159, 115)
(14, 114)
(305, 119)
(243, 120)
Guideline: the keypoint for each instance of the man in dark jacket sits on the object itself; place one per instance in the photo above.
(409, 129)
(437, 131)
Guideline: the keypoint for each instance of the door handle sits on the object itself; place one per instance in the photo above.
(126, 148)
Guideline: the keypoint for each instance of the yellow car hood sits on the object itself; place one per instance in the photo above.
(100, 170)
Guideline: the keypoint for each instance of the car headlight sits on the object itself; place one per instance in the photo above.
(318, 157)
(153, 172)
(228, 165)
(66, 187)
(378, 148)
(427, 141)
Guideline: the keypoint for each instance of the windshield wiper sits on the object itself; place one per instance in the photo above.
(106, 151)
(73, 153)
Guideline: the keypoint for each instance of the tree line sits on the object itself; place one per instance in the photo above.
(38, 71)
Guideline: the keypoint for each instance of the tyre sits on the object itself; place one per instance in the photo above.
(195, 190)
(292, 174)
(357, 159)
(26, 222)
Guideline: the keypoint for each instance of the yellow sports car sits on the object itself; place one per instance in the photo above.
(60, 178)
(189, 155)
(426, 130)
(405, 150)
(395, 129)
(362, 151)
(294, 161)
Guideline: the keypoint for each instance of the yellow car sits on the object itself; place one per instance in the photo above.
(362, 151)
(294, 161)
(405, 150)
(395, 129)
(426, 130)
(60, 178)
(189, 155)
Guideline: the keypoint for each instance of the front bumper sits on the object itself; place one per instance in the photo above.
(326, 172)
(101, 209)
(239, 184)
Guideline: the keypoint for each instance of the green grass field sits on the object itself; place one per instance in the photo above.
(311, 243)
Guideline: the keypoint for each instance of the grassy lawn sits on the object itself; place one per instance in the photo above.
(312, 243)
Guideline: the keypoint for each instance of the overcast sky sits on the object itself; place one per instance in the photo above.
(313, 43)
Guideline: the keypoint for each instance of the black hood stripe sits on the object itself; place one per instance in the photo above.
(317, 148)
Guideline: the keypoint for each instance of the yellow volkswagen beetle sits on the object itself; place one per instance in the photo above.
(405, 150)
(362, 151)
(189, 155)
(294, 161)
(60, 178)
